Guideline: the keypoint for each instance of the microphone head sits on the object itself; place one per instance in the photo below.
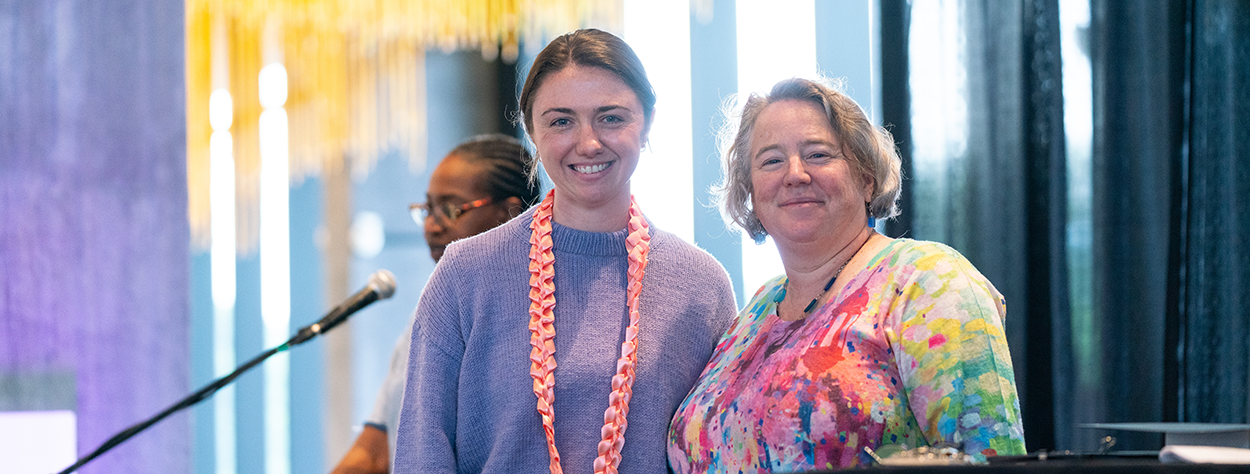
(383, 283)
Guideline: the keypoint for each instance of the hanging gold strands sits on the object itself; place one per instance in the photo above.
(356, 78)
(543, 333)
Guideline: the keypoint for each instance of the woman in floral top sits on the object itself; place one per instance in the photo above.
(865, 341)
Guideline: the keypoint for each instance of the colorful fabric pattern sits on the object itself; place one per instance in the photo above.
(912, 352)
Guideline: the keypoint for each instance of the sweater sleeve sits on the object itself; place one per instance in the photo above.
(951, 350)
(427, 423)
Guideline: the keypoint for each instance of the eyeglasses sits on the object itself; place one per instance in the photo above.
(445, 212)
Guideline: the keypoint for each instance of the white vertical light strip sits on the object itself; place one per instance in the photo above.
(938, 81)
(874, 74)
(222, 272)
(939, 107)
(275, 264)
(1078, 125)
(1078, 86)
(776, 40)
(664, 180)
(874, 46)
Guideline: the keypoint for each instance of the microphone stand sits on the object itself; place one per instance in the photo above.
(199, 396)
(336, 316)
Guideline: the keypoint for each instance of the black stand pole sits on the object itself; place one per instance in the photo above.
(300, 337)
(381, 286)
(199, 396)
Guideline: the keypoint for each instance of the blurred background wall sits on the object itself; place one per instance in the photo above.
(94, 244)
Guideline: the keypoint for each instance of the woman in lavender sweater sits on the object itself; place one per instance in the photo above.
(536, 344)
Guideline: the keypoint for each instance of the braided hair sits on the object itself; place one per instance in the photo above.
(506, 164)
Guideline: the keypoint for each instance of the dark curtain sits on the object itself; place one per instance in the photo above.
(1163, 336)
(1137, 58)
(1045, 210)
(1214, 263)
(896, 100)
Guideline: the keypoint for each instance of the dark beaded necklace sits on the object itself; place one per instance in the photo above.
(781, 295)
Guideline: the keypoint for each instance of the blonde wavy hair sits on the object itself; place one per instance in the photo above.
(872, 150)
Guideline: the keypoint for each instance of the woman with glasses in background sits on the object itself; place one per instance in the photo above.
(481, 184)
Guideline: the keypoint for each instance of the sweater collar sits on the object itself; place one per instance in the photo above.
(581, 242)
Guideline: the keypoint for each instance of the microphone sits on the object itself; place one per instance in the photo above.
(381, 286)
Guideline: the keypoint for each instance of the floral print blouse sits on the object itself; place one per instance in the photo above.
(912, 352)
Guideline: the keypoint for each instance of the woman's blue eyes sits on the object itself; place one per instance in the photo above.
(610, 119)
(816, 156)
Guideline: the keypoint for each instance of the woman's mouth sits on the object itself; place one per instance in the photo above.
(799, 201)
(591, 168)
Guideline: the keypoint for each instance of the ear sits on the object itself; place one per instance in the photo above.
(867, 182)
(513, 206)
(869, 188)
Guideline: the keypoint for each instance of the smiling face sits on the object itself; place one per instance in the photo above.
(805, 189)
(589, 128)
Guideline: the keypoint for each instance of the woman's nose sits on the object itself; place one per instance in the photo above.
(796, 172)
(588, 143)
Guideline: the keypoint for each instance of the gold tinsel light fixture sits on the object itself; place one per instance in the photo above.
(356, 77)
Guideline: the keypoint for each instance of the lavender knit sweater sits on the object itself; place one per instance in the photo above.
(469, 404)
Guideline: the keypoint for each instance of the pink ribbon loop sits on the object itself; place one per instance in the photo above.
(542, 333)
